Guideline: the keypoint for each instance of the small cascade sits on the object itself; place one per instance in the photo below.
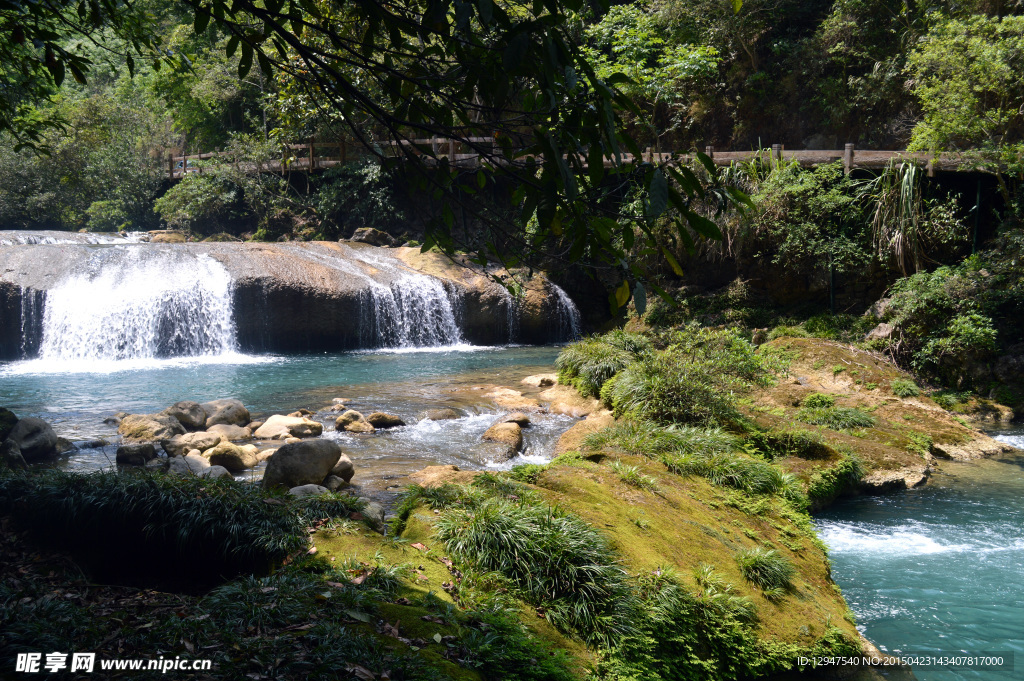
(139, 304)
(413, 310)
(14, 237)
(569, 323)
(512, 313)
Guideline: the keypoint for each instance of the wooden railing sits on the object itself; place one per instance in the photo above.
(313, 156)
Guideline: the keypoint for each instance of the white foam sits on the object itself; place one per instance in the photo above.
(884, 542)
(112, 366)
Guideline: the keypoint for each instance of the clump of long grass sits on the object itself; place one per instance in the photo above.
(903, 388)
(778, 443)
(766, 569)
(729, 470)
(717, 595)
(641, 437)
(818, 401)
(589, 363)
(634, 477)
(836, 418)
(556, 559)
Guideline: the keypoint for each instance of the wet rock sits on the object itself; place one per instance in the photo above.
(112, 421)
(565, 400)
(374, 237)
(232, 457)
(334, 483)
(518, 418)
(301, 463)
(373, 514)
(255, 425)
(888, 481)
(353, 422)
(436, 476)
(279, 427)
(230, 432)
(7, 421)
(308, 491)
(182, 444)
(979, 447)
(189, 414)
(65, 446)
(540, 380)
(344, 468)
(443, 414)
(512, 399)
(228, 411)
(135, 454)
(265, 454)
(34, 438)
(150, 427)
(509, 435)
(379, 419)
(167, 236)
(572, 439)
(159, 463)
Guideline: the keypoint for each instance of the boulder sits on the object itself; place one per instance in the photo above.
(880, 332)
(34, 438)
(10, 456)
(572, 439)
(443, 414)
(255, 425)
(374, 237)
(167, 236)
(159, 463)
(182, 444)
(509, 436)
(301, 463)
(344, 468)
(7, 421)
(135, 454)
(230, 432)
(189, 414)
(565, 400)
(191, 464)
(379, 419)
(334, 483)
(373, 515)
(308, 491)
(228, 411)
(353, 422)
(231, 457)
(150, 427)
(540, 380)
(279, 427)
(265, 454)
(65, 446)
(512, 399)
(518, 418)
(216, 472)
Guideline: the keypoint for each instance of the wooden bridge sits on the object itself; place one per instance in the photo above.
(314, 155)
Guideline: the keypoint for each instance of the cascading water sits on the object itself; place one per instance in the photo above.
(21, 238)
(569, 325)
(413, 311)
(138, 304)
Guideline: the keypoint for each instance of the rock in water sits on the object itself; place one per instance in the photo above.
(232, 457)
(216, 472)
(191, 464)
(443, 414)
(136, 454)
(189, 414)
(353, 422)
(230, 432)
(344, 468)
(374, 237)
(540, 380)
(10, 455)
(34, 438)
(334, 483)
(150, 427)
(182, 444)
(229, 411)
(279, 427)
(509, 435)
(7, 421)
(301, 463)
(518, 418)
(379, 419)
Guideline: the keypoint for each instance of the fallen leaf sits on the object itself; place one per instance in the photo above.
(420, 546)
(437, 638)
(356, 615)
(312, 550)
(273, 502)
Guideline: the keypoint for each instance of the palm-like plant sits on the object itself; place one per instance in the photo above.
(899, 225)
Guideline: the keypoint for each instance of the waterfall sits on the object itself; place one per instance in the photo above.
(569, 325)
(136, 304)
(15, 237)
(411, 311)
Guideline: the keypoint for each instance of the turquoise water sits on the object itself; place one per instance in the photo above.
(401, 382)
(938, 569)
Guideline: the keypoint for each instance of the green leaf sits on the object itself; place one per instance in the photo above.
(202, 19)
(703, 226)
(658, 199)
(640, 299)
(232, 45)
(737, 5)
(708, 164)
(245, 62)
(622, 294)
(673, 263)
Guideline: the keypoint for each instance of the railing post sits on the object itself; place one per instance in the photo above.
(451, 151)
(312, 158)
(777, 152)
(170, 166)
(848, 158)
(342, 150)
(433, 145)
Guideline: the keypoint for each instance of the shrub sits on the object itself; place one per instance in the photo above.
(693, 380)
(819, 401)
(825, 485)
(558, 561)
(588, 364)
(904, 388)
(765, 568)
(646, 438)
(787, 332)
(204, 203)
(805, 444)
(837, 418)
(632, 476)
(732, 470)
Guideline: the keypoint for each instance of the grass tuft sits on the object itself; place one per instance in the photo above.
(766, 569)
(837, 418)
(903, 388)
